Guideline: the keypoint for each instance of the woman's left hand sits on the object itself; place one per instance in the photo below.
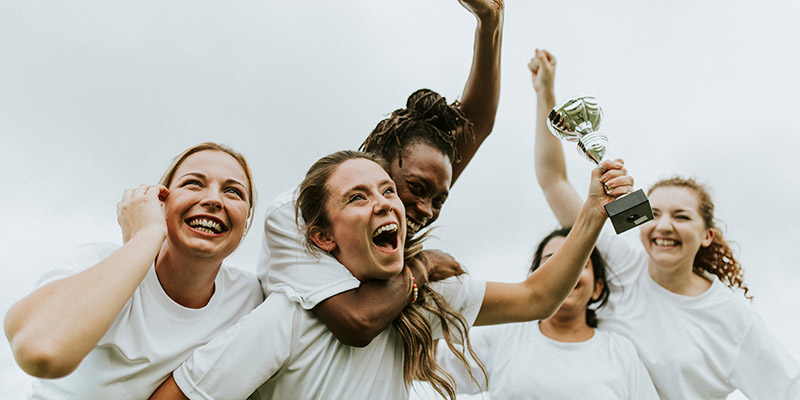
(441, 265)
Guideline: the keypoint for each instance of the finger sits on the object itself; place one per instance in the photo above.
(163, 192)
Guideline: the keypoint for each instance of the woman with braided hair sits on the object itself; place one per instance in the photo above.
(427, 144)
(674, 300)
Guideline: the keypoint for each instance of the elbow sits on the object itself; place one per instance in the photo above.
(41, 360)
(358, 332)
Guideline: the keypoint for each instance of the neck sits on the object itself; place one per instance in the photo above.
(681, 280)
(567, 328)
(188, 280)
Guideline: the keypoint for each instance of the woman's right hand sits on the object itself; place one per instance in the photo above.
(609, 181)
(543, 70)
(142, 209)
(485, 10)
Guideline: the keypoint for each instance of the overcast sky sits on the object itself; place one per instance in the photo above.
(96, 97)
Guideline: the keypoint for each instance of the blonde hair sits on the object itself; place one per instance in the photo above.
(411, 325)
(718, 257)
(169, 174)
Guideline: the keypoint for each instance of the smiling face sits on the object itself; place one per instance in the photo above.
(585, 290)
(423, 183)
(366, 220)
(678, 231)
(207, 206)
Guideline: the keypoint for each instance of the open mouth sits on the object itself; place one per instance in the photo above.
(385, 237)
(412, 227)
(665, 242)
(207, 225)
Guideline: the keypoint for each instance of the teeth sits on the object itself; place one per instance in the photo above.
(386, 228)
(206, 225)
(412, 226)
(665, 242)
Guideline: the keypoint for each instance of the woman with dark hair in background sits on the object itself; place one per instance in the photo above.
(563, 356)
(675, 299)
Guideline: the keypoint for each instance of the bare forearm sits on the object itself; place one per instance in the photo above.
(168, 390)
(54, 328)
(357, 316)
(540, 295)
(481, 93)
(551, 170)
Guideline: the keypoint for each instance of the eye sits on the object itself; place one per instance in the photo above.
(192, 182)
(238, 193)
(438, 203)
(682, 217)
(389, 190)
(356, 197)
(415, 188)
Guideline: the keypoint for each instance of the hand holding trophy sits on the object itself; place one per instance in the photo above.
(577, 120)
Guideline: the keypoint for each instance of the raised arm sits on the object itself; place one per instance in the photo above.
(551, 171)
(55, 327)
(542, 293)
(482, 91)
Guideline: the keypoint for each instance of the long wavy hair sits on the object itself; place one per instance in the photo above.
(718, 257)
(427, 119)
(598, 267)
(411, 325)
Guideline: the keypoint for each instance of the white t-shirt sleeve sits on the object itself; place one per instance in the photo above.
(233, 365)
(763, 367)
(286, 265)
(623, 261)
(639, 383)
(464, 294)
(482, 340)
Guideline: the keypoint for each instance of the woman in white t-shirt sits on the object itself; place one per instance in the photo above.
(115, 321)
(562, 357)
(674, 300)
(354, 214)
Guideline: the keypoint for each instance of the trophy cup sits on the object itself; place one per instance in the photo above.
(577, 120)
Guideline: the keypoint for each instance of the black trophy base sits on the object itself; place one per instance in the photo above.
(629, 211)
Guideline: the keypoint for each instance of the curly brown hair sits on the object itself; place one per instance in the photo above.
(426, 119)
(718, 257)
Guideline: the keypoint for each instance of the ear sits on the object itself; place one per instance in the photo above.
(598, 289)
(322, 239)
(709, 238)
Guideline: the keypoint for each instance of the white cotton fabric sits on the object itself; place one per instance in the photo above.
(701, 347)
(284, 352)
(524, 364)
(150, 337)
(286, 266)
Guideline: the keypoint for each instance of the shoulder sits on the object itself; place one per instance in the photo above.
(240, 283)
(282, 203)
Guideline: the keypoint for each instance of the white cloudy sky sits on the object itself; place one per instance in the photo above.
(96, 97)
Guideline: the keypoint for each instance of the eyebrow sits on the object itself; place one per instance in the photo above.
(365, 188)
(201, 176)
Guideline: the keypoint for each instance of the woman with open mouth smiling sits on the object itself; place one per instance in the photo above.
(352, 211)
(428, 145)
(113, 322)
(675, 299)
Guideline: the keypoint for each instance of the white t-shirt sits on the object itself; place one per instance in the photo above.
(286, 352)
(286, 266)
(701, 347)
(150, 337)
(522, 363)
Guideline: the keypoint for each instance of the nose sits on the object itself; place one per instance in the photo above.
(424, 211)
(663, 223)
(382, 204)
(211, 198)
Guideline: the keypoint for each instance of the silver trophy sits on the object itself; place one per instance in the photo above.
(578, 120)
